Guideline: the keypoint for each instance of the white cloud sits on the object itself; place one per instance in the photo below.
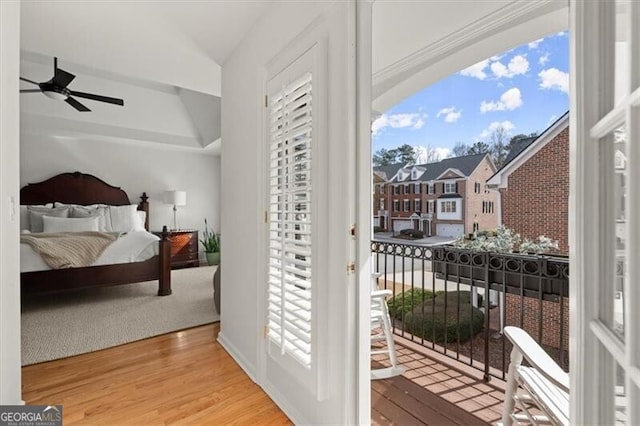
(451, 115)
(543, 59)
(476, 70)
(534, 44)
(561, 34)
(509, 100)
(554, 79)
(517, 65)
(507, 125)
(398, 121)
(443, 152)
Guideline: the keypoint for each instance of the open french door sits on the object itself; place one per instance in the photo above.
(605, 212)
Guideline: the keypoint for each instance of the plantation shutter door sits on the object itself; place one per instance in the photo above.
(290, 324)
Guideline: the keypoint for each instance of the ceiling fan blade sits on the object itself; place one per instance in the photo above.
(30, 91)
(29, 81)
(62, 78)
(77, 105)
(99, 98)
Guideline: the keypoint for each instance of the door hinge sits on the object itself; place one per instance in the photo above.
(266, 216)
(351, 267)
(353, 230)
(266, 101)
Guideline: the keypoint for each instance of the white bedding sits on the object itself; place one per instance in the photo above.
(135, 246)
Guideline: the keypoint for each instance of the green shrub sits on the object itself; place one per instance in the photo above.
(378, 229)
(405, 302)
(432, 322)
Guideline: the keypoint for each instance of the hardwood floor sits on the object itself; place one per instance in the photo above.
(183, 378)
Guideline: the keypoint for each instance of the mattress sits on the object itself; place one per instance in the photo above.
(135, 246)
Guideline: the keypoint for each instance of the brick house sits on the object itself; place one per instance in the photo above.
(534, 185)
(447, 198)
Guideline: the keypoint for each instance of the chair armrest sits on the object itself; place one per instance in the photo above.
(537, 357)
(381, 293)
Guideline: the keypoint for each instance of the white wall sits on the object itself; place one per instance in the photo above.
(10, 372)
(243, 280)
(134, 168)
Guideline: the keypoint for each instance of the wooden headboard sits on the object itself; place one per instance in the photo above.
(79, 188)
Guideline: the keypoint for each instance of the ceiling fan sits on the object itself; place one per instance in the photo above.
(56, 88)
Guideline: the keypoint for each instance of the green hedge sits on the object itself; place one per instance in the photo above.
(403, 303)
(431, 321)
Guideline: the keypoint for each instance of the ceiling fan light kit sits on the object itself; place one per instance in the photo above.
(56, 88)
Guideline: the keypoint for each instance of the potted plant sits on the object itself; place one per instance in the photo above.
(211, 243)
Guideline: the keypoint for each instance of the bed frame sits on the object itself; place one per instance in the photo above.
(80, 188)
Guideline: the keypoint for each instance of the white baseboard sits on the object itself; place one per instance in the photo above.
(293, 413)
(237, 357)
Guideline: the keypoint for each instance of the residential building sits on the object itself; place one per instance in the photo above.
(534, 185)
(447, 198)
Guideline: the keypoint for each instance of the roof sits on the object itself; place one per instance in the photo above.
(465, 164)
(524, 149)
(387, 172)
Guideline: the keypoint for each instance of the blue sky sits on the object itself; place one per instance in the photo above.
(523, 90)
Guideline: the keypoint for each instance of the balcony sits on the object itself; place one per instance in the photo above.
(448, 310)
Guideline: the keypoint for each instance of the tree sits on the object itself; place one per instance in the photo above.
(384, 157)
(426, 154)
(478, 148)
(460, 149)
(406, 154)
(498, 143)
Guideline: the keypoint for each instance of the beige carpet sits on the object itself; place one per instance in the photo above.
(66, 324)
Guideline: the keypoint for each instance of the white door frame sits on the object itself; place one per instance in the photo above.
(594, 347)
(364, 184)
(10, 358)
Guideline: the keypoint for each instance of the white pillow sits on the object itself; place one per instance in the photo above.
(125, 218)
(63, 224)
(25, 223)
(36, 213)
(102, 213)
(142, 215)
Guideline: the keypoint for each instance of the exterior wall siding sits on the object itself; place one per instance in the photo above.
(474, 201)
(536, 201)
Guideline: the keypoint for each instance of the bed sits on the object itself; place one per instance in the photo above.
(84, 189)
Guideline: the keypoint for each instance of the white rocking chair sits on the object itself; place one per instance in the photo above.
(537, 394)
(380, 320)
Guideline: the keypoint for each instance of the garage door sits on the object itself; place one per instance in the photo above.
(449, 230)
(399, 225)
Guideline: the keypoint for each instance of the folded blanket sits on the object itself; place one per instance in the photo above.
(69, 249)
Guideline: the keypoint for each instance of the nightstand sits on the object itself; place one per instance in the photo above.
(184, 248)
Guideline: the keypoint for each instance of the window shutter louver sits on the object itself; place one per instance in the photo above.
(290, 273)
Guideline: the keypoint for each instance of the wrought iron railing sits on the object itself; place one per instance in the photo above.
(456, 301)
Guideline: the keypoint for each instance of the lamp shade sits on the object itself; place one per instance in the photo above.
(177, 198)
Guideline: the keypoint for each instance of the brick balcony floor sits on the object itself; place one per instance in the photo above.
(434, 390)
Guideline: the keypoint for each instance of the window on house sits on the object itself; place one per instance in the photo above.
(431, 189)
(381, 203)
(449, 187)
(477, 188)
(406, 188)
(448, 207)
(396, 189)
(417, 205)
(396, 205)
(406, 206)
(484, 207)
(416, 188)
(476, 226)
(381, 189)
(432, 206)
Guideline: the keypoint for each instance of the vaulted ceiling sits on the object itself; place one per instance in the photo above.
(163, 58)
